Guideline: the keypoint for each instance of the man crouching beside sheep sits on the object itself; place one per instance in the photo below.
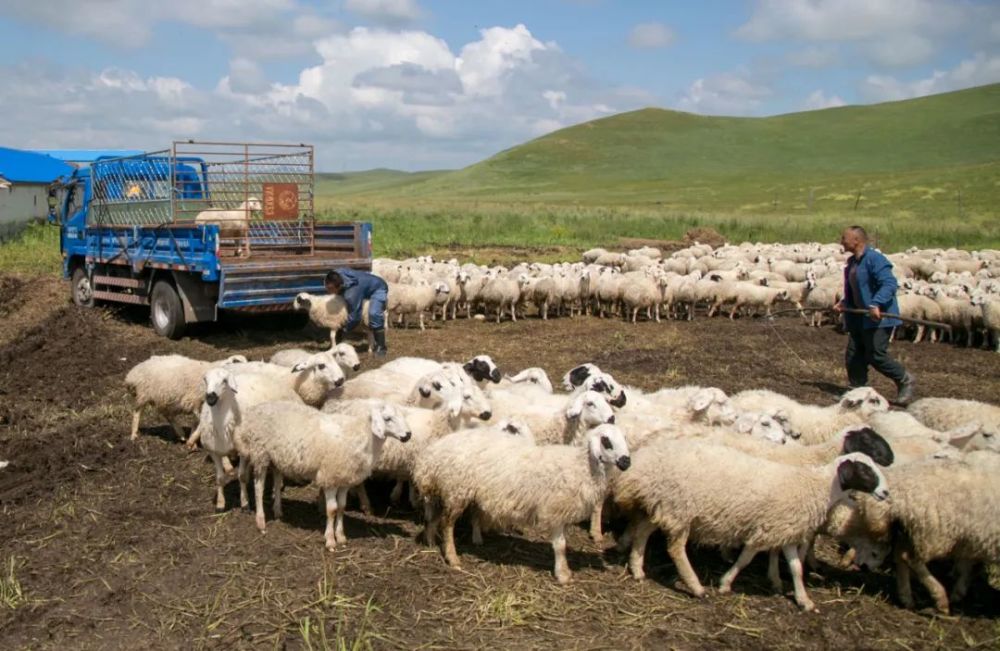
(356, 287)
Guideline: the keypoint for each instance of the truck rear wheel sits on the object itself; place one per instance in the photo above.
(166, 311)
(82, 288)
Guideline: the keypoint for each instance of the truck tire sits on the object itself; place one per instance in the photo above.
(82, 288)
(166, 312)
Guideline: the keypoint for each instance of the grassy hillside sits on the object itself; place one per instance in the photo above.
(369, 181)
(936, 156)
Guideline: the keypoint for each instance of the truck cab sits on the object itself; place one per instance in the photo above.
(199, 228)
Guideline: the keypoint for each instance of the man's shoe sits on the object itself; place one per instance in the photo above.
(379, 337)
(907, 390)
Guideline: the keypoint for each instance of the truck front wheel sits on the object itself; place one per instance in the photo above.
(81, 288)
(166, 311)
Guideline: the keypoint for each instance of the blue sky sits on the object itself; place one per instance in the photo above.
(422, 84)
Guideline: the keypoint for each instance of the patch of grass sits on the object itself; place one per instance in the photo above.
(33, 251)
(11, 594)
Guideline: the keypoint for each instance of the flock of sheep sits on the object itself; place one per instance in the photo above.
(953, 287)
(748, 473)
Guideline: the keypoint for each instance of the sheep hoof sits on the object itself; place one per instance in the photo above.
(331, 545)
(638, 575)
(220, 509)
(565, 578)
(723, 589)
(808, 606)
(342, 539)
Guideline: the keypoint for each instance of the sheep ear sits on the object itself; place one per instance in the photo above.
(301, 366)
(378, 423)
(455, 407)
(743, 425)
(576, 408)
(700, 401)
(231, 381)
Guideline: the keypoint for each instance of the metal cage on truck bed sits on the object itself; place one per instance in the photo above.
(224, 225)
(260, 195)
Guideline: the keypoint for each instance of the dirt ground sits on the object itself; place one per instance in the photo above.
(106, 543)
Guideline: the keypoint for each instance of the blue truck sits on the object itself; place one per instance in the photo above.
(201, 227)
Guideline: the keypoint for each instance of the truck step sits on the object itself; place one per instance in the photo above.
(117, 281)
(118, 297)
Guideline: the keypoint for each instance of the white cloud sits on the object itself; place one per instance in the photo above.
(377, 98)
(900, 50)
(129, 23)
(813, 57)
(818, 100)
(394, 13)
(650, 35)
(888, 33)
(980, 70)
(848, 20)
(724, 94)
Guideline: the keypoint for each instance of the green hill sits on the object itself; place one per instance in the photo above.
(938, 154)
(368, 181)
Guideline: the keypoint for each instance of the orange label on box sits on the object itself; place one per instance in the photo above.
(281, 200)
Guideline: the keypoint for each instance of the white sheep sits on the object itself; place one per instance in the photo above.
(940, 508)
(232, 222)
(408, 300)
(755, 504)
(345, 355)
(500, 293)
(945, 414)
(426, 425)
(226, 399)
(172, 385)
(817, 424)
(990, 306)
(558, 419)
(333, 451)
(546, 487)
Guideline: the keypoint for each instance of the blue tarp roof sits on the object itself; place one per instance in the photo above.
(19, 166)
(88, 155)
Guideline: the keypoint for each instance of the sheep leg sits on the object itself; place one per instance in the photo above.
(448, 518)
(934, 587)
(562, 571)
(920, 334)
(795, 567)
(477, 529)
(278, 481)
(363, 501)
(677, 549)
(903, 588)
(595, 522)
(414, 496)
(136, 413)
(726, 582)
(431, 519)
(656, 311)
(625, 540)
(422, 321)
(341, 507)
(179, 431)
(513, 312)
(636, 558)
(331, 516)
(499, 312)
(397, 492)
(259, 477)
(732, 312)
(220, 480)
(244, 474)
(961, 587)
(774, 572)
(545, 311)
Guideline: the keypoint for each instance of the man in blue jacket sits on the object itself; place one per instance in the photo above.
(869, 285)
(357, 287)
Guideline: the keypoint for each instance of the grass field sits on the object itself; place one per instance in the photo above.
(923, 172)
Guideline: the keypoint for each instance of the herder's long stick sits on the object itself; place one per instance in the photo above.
(853, 310)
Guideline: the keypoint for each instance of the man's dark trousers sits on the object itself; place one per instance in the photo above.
(870, 347)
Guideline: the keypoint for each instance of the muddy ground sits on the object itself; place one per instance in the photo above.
(106, 543)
